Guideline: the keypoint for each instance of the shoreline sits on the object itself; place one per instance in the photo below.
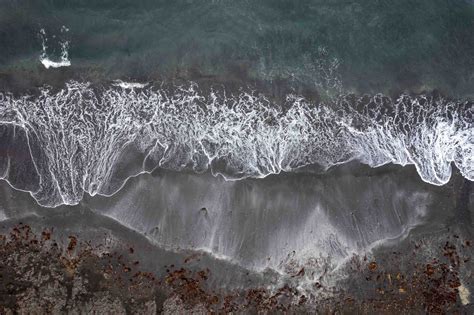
(23, 81)
(115, 275)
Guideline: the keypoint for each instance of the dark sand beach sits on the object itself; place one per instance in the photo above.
(236, 157)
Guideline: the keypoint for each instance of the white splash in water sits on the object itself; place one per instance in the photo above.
(129, 85)
(82, 134)
(64, 59)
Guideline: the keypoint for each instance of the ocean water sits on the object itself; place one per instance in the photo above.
(380, 46)
(80, 141)
(265, 133)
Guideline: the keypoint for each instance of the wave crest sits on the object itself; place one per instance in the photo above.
(79, 138)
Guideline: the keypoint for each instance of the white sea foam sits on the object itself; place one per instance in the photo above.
(82, 134)
(47, 63)
(63, 60)
(129, 85)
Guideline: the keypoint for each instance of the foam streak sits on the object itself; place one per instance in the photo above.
(83, 135)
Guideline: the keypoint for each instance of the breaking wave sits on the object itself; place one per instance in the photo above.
(63, 61)
(84, 140)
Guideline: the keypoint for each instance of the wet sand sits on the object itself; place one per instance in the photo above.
(365, 247)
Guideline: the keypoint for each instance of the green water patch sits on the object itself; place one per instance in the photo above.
(378, 45)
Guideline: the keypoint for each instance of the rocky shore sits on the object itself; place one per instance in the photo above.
(52, 273)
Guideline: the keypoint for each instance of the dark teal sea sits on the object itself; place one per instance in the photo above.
(374, 45)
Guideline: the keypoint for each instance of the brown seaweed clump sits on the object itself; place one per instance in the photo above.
(40, 274)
